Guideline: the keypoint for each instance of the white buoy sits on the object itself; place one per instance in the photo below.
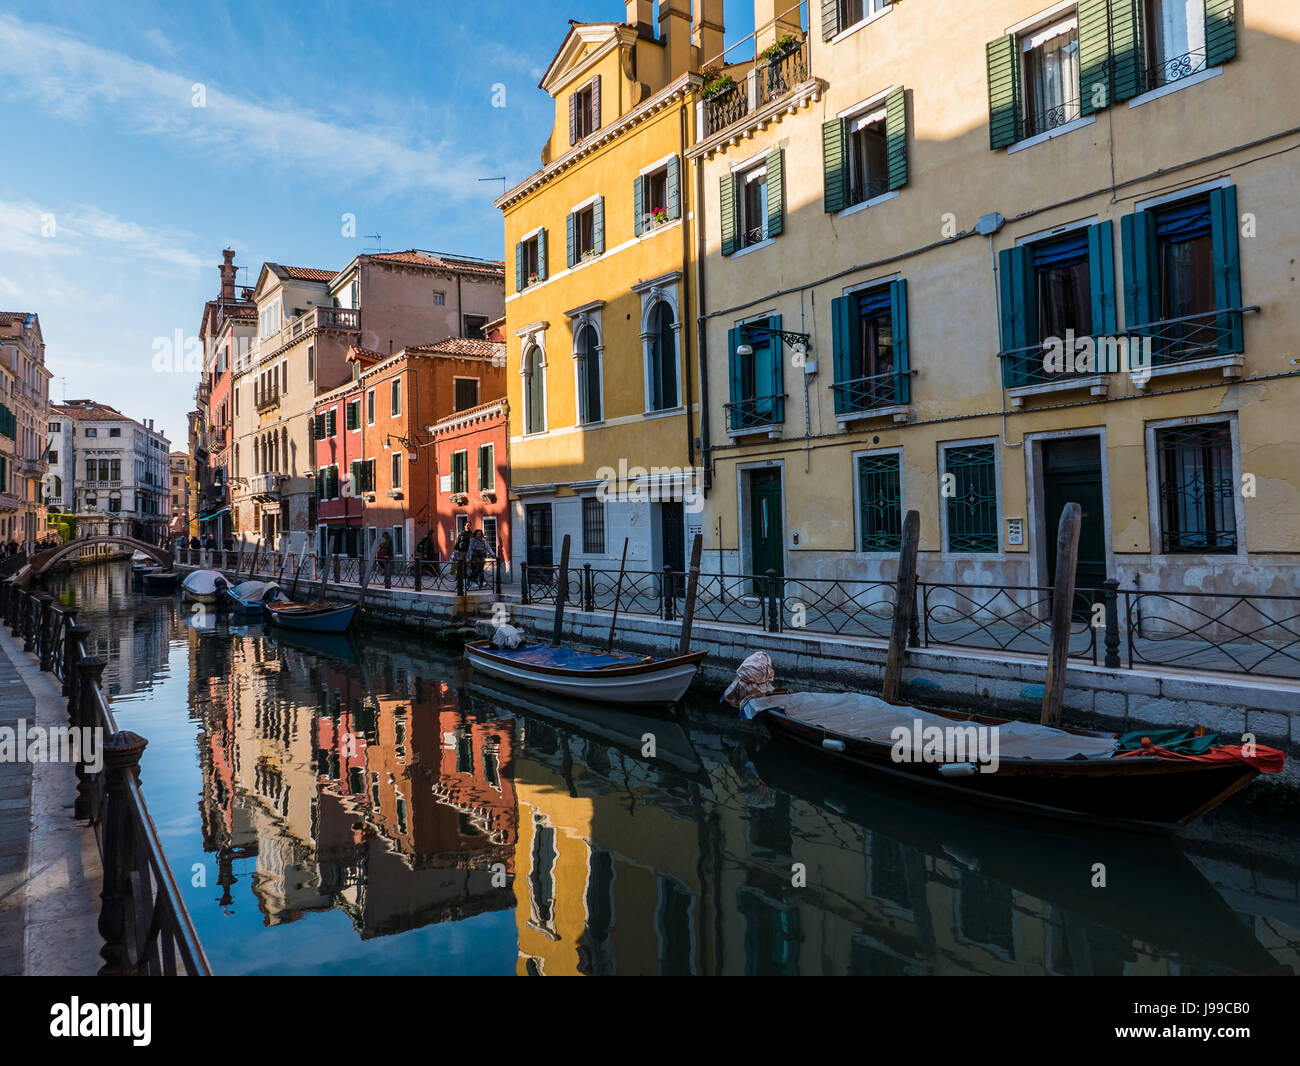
(832, 745)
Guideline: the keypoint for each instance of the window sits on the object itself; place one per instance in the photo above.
(656, 197)
(1051, 77)
(663, 359)
(487, 469)
(439, 298)
(593, 525)
(880, 503)
(399, 541)
(311, 362)
(534, 391)
(465, 393)
(56, 427)
(363, 475)
(460, 472)
(869, 336)
(370, 407)
(864, 156)
(752, 204)
(92, 432)
(1197, 502)
(585, 231)
(584, 111)
(1062, 287)
(474, 326)
(54, 456)
(757, 390)
(530, 261)
(269, 320)
(324, 426)
(397, 470)
(587, 353)
(395, 389)
(972, 498)
(839, 15)
(353, 415)
(1175, 40)
(753, 207)
(490, 535)
(1182, 277)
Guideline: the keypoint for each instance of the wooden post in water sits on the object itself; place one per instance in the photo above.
(904, 607)
(692, 588)
(561, 590)
(618, 595)
(1067, 554)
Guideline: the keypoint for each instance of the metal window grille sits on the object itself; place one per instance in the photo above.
(973, 504)
(880, 503)
(593, 526)
(1197, 501)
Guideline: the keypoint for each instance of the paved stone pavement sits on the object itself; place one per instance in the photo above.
(16, 703)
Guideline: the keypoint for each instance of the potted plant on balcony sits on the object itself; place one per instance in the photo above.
(774, 53)
(460, 499)
(716, 82)
(660, 215)
(488, 496)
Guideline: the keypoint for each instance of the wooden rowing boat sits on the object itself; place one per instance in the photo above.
(204, 586)
(312, 617)
(160, 579)
(1055, 771)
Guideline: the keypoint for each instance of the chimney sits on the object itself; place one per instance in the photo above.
(640, 14)
(675, 32)
(227, 269)
(773, 19)
(707, 31)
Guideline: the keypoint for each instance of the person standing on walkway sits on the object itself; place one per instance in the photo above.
(477, 557)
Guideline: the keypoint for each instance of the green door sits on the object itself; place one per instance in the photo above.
(1072, 474)
(766, 535)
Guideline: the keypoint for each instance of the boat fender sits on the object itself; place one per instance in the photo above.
(958, 769)
(830, 744)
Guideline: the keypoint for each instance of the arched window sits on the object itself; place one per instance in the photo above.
(587, 350)
(663, 358)
(534, 391)
(58, 487)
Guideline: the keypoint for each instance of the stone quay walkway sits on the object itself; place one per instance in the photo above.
(50, 874)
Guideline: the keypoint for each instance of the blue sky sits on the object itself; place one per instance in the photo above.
(117, 194)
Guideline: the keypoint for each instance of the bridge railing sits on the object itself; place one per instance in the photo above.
(146, 927)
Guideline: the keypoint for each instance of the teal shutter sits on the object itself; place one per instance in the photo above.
(1101, 269)
(737, 384)
(638, 204)
(673, 189)
(1004, 92)
(1227, 268)
(1015, 272)
(1094, 55)
(1127, 74)
(541, 255)
(776, 379)
(598, 225)
(519, 266)
(896, 137)
(902, 365)
(727, 210)
(569, 257)
(775, 193)
(844, 326)
(1220, 31)
(318, 427)
(835, 172)
(1141, 292)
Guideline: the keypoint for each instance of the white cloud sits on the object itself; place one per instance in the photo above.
(81, 82)
(86, 228)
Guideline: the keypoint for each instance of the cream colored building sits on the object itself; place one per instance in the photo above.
(27, 398)
(904, 209)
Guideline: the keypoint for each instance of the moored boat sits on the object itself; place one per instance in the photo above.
(312, 617)
(588, 675)
(251, 597)
(160, 579)
(204, 586)
(1059, 772)
(142, 563)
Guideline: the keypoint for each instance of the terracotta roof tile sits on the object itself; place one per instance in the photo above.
(13, 316)
(442, 261)
(90, 412)
(470, 347)
(307, 273)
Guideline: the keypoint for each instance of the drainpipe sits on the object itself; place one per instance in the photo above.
(686, 266)
(706, 447)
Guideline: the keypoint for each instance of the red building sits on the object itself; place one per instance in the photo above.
(472, 459)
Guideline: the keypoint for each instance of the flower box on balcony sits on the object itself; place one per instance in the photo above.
(716, 83)
(460, 498)
(488, 496)
(774, 53)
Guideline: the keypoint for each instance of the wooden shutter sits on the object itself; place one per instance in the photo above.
(1220, 32)
(318, 427)
(672, 189)
(1004, 91)
(896, 137)
(1138, 236)
(1127, 74)
(845, 325)
(1227, 268)
(541, 255)
(727, 212)
(1101, 270)
(519, 266)
(775, 193)
(835, 172)
(595, 103)
(598, 225)
(902, 363)
(569, 256)
(573, 118)
(1094, 55)
(638, 204)
(830, 19)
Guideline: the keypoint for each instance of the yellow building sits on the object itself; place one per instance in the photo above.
(599, 318)
(910, 206)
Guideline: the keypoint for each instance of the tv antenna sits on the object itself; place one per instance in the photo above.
(376, 238)
(501, 178)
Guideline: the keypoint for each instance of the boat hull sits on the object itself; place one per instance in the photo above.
(654, 683)
(323, 620)
(1148, 794)
(165, 580)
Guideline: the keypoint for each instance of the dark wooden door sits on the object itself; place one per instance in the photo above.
(766, 533)
(1072, 474)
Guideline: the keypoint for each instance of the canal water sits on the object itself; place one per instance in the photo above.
(329, 811)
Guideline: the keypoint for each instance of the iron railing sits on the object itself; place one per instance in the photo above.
(755, 413)
(143, 919)
(867, 393)
(1050, 118)
(779, 73)
(1176, 68)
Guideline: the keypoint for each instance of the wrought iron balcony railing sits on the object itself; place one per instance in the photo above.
(1167, 71)
(1049, 118)
(755, 413)
(868, 393)
(268, 399)
(767, 78)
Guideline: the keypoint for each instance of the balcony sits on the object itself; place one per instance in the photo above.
(875, 396)
(31, 467)
(755, 414)
(265, 484)
(342, 319)
(770, 78)
(268, 400)
(101, 485)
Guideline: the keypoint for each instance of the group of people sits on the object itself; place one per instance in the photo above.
(207, 542)
(8, 551)
(470, 547)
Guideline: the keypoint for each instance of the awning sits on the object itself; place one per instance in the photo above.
(213, 514)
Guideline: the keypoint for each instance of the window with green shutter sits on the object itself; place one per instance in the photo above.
(460, 471)
(971, 496)
(757, 375)
(869, 337)
(880, 503)
(530, 260)
(864, 155)
(727, 212)
(487, 471)
(354, 414)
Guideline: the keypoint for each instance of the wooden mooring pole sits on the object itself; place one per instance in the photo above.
(904, 607)
(1067, 554)
(561, 590)
(692, 588)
